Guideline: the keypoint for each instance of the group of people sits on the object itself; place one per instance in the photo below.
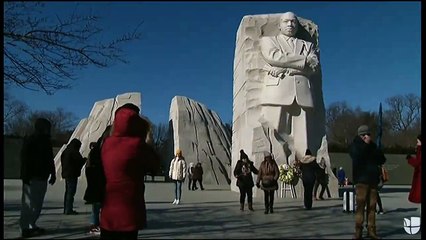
(367, 160)
(115, 183)
(313, 175)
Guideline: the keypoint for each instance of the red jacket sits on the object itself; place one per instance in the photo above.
(416, 162)
(125, 158)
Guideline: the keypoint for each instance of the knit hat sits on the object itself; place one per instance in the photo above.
(243, 155)
(363, 129)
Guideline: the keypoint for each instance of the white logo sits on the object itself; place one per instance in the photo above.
(412, 226)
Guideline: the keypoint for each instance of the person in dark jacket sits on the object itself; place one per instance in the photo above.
(197, 176)
(309, 168)
(243, 172)
(37, 169)
(95, 177)
(366, 159)
(267, 180)
(322, 179)
(126, 158)
(72, 162)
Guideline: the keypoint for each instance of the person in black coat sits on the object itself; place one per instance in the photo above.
(243, 172)
(366, 159)
(197, 175)
(96, 181)
(309, 168)
(72, 162)
(37, 169)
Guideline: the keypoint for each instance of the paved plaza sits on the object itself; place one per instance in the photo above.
(214, 213)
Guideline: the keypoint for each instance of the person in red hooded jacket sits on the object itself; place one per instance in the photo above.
(416, 162)
(126, 158)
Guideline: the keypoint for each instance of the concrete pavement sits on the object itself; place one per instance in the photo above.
(214, 213)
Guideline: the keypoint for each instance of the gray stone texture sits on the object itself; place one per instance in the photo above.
(202, 137)
(91, 128)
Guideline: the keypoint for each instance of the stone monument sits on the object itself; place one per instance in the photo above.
(278, 103)
(91, 128)
(202, 137)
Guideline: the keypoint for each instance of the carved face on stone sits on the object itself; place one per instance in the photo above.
(288, 24)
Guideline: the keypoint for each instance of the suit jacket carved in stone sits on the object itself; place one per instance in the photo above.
(294, 83)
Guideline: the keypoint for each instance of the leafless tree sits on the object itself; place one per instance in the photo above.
(42, 53)
(62, 122)
(403, 112)
(12, 108)
(160, 135)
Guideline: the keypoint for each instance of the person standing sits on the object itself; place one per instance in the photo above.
(126, 158)
(366, 159)
(267, 180)
(177, 173)
(95, 177)
(198, 176)
(37, 169)
(191, 186)
(309, 168)
(72, 162)
(416, 162)
(243, 172)
(341, 175)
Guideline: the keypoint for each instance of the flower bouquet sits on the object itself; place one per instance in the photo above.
(289, 174)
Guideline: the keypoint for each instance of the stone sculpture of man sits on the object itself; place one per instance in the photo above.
(286, 96)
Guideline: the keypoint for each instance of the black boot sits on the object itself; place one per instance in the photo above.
(242, 206)
(250, 206)
(266, 208)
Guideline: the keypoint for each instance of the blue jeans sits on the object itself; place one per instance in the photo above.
(96, 208)
(178, 189)
(70, 190)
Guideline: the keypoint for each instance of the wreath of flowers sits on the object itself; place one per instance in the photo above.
(289, 173)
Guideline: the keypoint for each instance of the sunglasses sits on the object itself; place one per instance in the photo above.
(366, 134)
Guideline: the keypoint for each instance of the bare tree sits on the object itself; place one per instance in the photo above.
(403, 111)
(160, 134)
(41, 53)
(12, 109)
(62, 122)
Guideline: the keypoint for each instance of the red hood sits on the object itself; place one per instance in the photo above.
(127, 123)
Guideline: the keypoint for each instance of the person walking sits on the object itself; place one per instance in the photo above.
(191, 185)
(177, 173)
(341, 176)
(309, 168)
(267, 180)
(416, 162)
(95, 190)
(126, 158)
(243, 172)
(72, 162)
(323, 179)
(198, 176)
(37, 169)
(366, 159)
